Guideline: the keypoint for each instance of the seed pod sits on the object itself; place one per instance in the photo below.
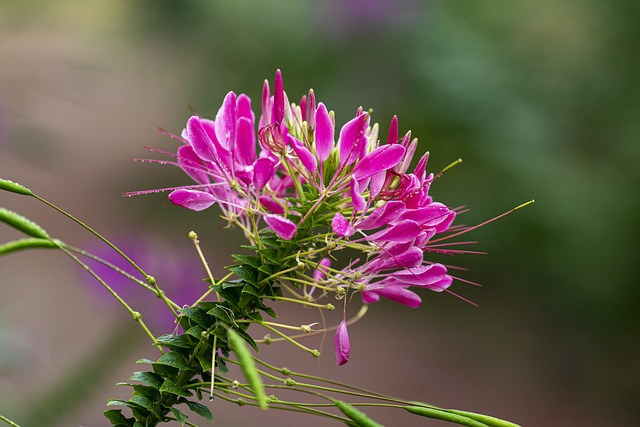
(23, 224)
(30, 243)
(440, 414)
(361, 419)
(14, 187)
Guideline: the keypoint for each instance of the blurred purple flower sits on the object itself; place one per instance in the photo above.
(178, 273)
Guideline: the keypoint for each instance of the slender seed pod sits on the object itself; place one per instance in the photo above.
(23, 224)
(29, 243)
(248, 366)
(14, 187)
(440, 414)
(360, 418)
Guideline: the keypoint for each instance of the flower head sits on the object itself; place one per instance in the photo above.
(286, 175)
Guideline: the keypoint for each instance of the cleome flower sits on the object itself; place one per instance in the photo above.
(320, 190)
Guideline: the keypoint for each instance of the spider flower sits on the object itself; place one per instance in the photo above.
(320, 189)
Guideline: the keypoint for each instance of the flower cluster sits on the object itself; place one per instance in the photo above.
(355, 193)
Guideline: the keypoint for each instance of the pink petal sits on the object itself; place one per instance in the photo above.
(245, 148)
(189, 162)
(399, 294)
(263, 171)
(377, 182)
(272, 205)
(266, 105)
(341, 226)
(284, 228)
(341, 344)
(324, 133)
(192, 199)
(359, 203)
(382, 215)
(278, 98)
(243, 107)
(428, 216)
(320, 273)
(430, 276)
(225, 122)
(310, 105)
(380, 159)
(199, 140)
(352, 140)
(400, 233)
(306, 157)
(392, 138)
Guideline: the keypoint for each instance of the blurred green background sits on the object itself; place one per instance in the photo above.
(540, 99)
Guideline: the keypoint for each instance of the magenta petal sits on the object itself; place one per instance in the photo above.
(369, 297)
(324, 133)
(352, 139)
(380, 159)
(278, 98)
(266, 105)
(341, 226)
(382, 215)
(377, 182)
(306, 157)
(341, 344)
(200, 140)
(320, 273)
(392, 138)
(243, 107)
(192, 199)
(189, 162)
(428, 216)
(225, 122)
(358, 201)
(428, 276)
(272, 205)
(284, 228)
(245, 148)
(404, 232)
(263, 171)
(399, 294)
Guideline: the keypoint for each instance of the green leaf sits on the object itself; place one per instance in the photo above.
(22, 223)
(441, 414)
(222, 313)
(200, 409)
(27, 243)
(174, 341)
(248, 289)
(248, 366)
(198, 316)
(147, 404)
(196, 332)
(253, 261)
(14, 187)
(170, 386)
(152, 379)
(147, 391)
(117, 419)
(270, 255)
(173, 359)
(246, 273)
(182, 418)
(144, 362)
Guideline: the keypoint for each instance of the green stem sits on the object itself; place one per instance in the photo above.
(8, 421)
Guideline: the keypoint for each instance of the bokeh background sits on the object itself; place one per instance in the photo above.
(540, 99)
